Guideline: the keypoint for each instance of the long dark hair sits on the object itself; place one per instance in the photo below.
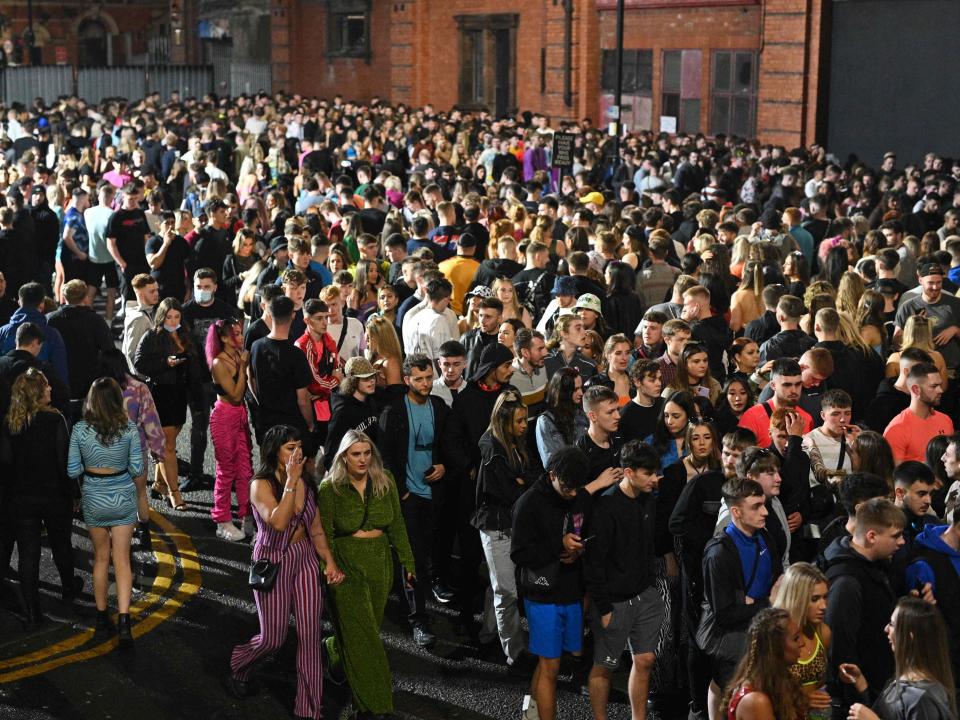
(274, 439)
(920, 645)
(681, 380)
(622, 278)
(104, 411)
(662, 437)
(560, 403)
(113, 364)
(835, 265)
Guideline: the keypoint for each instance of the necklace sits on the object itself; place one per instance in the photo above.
(693, 466)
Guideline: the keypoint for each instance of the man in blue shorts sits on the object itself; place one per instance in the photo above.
(546, 548)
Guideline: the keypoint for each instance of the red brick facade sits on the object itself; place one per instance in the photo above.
(416, 54)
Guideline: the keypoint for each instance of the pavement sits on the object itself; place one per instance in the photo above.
(191, 606)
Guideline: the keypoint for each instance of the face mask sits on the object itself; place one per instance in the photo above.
(172, 329)
(204, 296)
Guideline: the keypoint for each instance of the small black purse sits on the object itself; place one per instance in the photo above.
(263, 572)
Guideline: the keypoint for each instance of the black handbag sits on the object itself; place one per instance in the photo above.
(263, 572)
(263, 575)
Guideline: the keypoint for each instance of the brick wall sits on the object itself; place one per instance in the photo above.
(689, 28)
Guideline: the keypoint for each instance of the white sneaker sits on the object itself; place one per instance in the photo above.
(229, 531)
(249, 526)
(529, 709)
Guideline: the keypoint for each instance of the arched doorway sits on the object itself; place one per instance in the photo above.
(92, 43)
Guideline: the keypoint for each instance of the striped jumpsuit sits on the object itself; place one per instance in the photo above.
(297, 587)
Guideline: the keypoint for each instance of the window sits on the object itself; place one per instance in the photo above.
(348, 28)
(472, 89)
(637, 72)
(680, 88)
(733, 102)
(488, 61)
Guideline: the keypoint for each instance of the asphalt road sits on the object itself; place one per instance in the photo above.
(194, 608)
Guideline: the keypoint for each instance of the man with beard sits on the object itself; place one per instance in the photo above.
(943, 309)
(787, 382)
(910, 431)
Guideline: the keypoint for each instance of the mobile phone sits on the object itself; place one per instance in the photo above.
(587, 539)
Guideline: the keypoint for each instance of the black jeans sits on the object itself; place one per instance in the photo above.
(57, 516)
(201, 403)
(421, 521)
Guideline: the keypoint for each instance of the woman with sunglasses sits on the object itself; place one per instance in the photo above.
(230, 428)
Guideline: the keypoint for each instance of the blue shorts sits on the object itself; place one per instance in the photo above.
(554, 629)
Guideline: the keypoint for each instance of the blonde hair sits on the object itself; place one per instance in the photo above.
(795, 592)
(918, 333)
(383, 333)
(26, 400)
(515, 303)
(376, 474)
(849, 291)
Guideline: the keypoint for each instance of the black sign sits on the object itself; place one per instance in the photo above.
(563, 149)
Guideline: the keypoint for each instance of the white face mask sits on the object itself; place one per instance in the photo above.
(203, 296)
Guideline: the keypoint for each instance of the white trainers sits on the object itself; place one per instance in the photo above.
(529, 709)
(229, 531)
(249, 526)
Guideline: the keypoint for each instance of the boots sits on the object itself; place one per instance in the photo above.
(124, 632)
(105, 627)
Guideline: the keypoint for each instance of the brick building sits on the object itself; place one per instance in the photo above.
(785, 71)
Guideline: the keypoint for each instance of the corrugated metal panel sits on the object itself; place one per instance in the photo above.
(49, 82)
(188, 80)
(249, 78)
(96, 83)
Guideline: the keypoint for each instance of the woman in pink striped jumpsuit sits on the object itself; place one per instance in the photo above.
(289, 531)
(229, 428)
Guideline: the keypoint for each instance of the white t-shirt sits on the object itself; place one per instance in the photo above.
(353, 343)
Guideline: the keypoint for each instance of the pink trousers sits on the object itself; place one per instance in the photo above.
(231, 448)
(297, 588)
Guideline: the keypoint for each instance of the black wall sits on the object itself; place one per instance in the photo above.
(894, 79)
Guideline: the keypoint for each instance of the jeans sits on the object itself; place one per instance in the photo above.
(420, 519)
(496, 548)
(200, 404)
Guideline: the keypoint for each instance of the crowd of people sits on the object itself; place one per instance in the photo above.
(689, 402)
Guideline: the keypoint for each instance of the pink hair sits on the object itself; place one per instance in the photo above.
(214, 345)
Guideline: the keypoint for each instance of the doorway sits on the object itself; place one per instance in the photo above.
(92, 44)
(484, 84)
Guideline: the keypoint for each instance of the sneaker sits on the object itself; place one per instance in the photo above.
(423, 637)
(249, 526)
(229, 531)
(441, 592)
(529, 709)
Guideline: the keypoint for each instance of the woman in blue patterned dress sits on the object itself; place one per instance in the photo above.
(105, 450)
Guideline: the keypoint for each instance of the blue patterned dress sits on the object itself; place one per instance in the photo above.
(108, 499)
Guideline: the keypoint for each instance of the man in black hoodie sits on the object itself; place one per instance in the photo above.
(545, 545)
(893, 394)
(708, 329)
(739, 576)
(469, 419)
(692, 525)
(861, 600)
(627, 609)
(352, 406)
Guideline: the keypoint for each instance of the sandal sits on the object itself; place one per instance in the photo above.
(158, 490)
(176, 501)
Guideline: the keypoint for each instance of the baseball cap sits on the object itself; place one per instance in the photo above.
(930, 268)
(481, 291)
(359, 367)
(277, 244)
(592, 197)
(589, 301)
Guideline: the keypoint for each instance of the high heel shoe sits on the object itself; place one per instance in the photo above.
(125, 635)
(176, 501)
(158, 489)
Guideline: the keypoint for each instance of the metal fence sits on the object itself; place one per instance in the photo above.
(248, 78)
(22, 85)
(94, 84)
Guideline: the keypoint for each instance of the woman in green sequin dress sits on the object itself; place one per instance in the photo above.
(361, 515)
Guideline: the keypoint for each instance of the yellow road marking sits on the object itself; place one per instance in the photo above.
(189, 587)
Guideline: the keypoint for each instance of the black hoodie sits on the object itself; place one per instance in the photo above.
(858, 609)
(490, 270)
(888, 402)
(348, 413)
